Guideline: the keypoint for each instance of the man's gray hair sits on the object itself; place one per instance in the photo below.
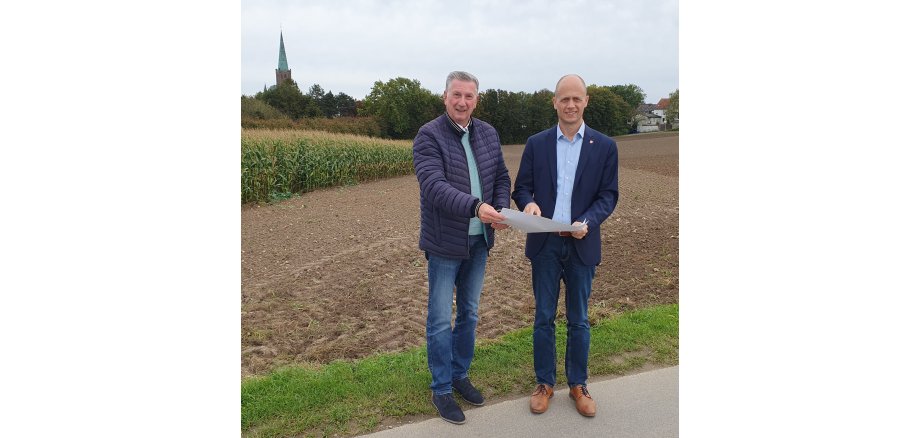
(461, 76)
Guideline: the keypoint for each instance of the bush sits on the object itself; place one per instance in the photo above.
(367, 126)
(249, 122)
(252, 108)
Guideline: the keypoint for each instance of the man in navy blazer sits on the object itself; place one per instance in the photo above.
(568, 173)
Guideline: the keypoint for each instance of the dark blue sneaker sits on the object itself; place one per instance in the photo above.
(448, 408)
(468, 392)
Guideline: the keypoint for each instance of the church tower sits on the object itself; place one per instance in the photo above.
(282, 73)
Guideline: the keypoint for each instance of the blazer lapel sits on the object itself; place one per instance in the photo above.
(551, 160)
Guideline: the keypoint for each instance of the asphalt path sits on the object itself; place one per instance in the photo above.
(641, 405)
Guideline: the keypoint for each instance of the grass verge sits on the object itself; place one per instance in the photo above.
(353, 397)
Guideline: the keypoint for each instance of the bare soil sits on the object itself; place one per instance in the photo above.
(337, 273)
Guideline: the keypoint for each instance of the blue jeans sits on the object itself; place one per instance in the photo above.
(450, 352)
(558, 260)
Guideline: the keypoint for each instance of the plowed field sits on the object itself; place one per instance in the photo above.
(337, 273)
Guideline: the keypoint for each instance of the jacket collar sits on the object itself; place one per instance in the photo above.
(456, 128)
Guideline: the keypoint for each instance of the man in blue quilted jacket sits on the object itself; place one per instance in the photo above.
(462, 182)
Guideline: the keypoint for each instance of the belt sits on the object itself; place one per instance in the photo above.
(565, 233)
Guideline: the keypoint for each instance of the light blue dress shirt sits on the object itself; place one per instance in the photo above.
(476, 225)
(567, 154)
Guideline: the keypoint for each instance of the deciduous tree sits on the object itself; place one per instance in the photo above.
(345, 105)
(402, 106)
(631, 93)
(607, 112)
(327, 105)
(673, 112)
(288, 99)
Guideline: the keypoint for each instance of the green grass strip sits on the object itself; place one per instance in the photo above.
(351, 397)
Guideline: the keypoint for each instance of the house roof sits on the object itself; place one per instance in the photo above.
(663, 103)
(648, 116)
(646, 107)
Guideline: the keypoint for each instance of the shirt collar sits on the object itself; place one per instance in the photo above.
(460, 129)
(579, 133)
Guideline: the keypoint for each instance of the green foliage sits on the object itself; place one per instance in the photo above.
(331, 105)
(327, 104)
(541, 111)
(487, 109)
(249, 122)
(345, 106)
(366, 126)
(673, 111)
(316, 92)
(275, 196)
(402, 106)
(252, 108)
(288, 99)
(280, 162)
(516, 116)
(631, 93)
(607, 112)
(352, 397)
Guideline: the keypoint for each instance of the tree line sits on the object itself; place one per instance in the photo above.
(290, 101)
(401, 106)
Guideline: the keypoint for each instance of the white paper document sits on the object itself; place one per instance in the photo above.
(529, 223)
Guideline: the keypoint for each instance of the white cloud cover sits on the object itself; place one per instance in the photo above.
(514, 46)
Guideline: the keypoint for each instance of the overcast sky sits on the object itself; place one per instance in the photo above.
(345, 46)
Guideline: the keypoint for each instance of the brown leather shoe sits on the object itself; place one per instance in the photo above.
(539, 400)
(583, 401)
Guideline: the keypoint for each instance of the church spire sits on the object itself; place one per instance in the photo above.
(282, 73)
(282, 57)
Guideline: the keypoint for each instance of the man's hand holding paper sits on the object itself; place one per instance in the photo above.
(488, 215)
(534, 223)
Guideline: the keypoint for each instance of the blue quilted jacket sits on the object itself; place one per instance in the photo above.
(444, 183)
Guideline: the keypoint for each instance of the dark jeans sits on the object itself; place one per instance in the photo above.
(558, 261)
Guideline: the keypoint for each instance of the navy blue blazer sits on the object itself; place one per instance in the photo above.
(594, 194)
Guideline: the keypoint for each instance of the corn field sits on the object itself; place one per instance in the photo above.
(294, 161)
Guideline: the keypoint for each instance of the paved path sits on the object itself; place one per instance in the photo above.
(640, 405)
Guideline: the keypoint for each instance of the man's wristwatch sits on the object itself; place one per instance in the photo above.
(476, 210)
